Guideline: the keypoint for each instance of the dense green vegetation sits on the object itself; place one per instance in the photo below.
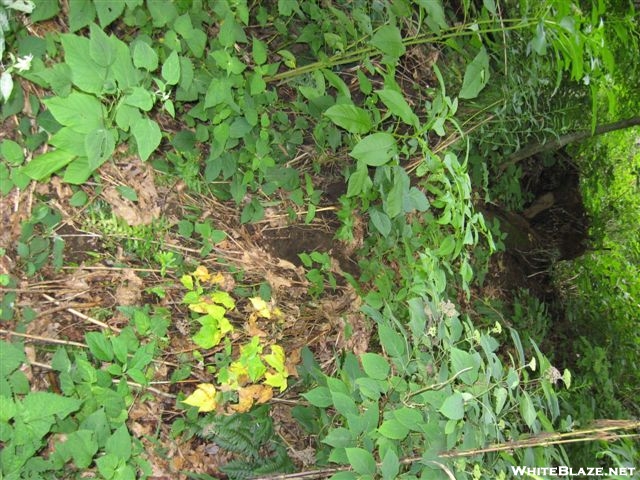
(478, 282)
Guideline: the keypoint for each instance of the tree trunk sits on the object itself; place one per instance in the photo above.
(556, 143)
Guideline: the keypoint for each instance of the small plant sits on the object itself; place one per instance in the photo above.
(319, 274)
(251, 374)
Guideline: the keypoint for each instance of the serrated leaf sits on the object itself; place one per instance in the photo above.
(388, 40)
(375, 149)
(119, 443)
(148, 136)
(375, 366)
(99, 346)
(476, 75)
(41, 405)
(361, 461)
(351, 118)
(259, 51)
(398, 106)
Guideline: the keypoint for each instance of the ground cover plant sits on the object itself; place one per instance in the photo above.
(330, 240)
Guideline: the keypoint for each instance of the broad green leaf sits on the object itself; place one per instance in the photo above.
(108, 11)
(398, 106)
(344, 403)
(40, 405)
(171, 68)
(393, 430)
(82, 447)
(361, 461)
(119, 444)
(392, 341)
(85, 73)
(11, 357)
(375, 149)
(394, 200)
(381, 221)
(259, 51)
(147, 134)
(339, 438)
(358, 180)
(389, 41)
(418, 199)
(80, 111)
(500, 394)
(141, 98)
(99, 145)
(81, 14)
(539, 42)
(41, 167)
(527, 409)
(219, 91)
(319, 397)
(436, 19)
(409, 417)
(351, 118)
(461, 360)
(446, 247)
(375, 366)
(99, 346)
(390, 465)
(126, 115)
(69, 140)
(145, 57)
(100, 49)
(476, 75)
(453, 407)
(78, 171)
(122, 70)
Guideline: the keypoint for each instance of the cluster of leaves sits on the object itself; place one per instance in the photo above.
(253, 375)
(82, 426)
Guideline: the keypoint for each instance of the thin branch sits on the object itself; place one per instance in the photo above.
(82, 315)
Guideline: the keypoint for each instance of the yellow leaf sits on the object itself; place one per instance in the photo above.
(217, 278)
(205, 397)
(247, 396)
(276, 358)
(277, 380)
(202, 274)
(260, 306)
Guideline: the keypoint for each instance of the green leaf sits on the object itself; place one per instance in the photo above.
(68, 140)
(171, 68)
(145, 57)
(381, 221)
(147, 134)
(127, 192)
(99, 346)
(409, 417)
(259, 51)
(99, 145)
(436, 19)
(375, 149)
(41, 167)
(453, 407)
(339, 438)
(539, 42)
(81, 14)
(527, 409)
(80, 111)
(11, 152)
(85, 73)
(501, 397)
(11, 357)
(319, 397)
(398, 106)
(375, 366)
(390, 465)
(476, 75)
(418, 199)
(78, 171)
(119, 444)
(461, 360)
(389, 41)
(393, 430)
(358, 180)
(392, 341)
(351, 118)
(141, 98)
(344, 403)
(108, 11)
(100, 49)
(41, 405)
(361, 460)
